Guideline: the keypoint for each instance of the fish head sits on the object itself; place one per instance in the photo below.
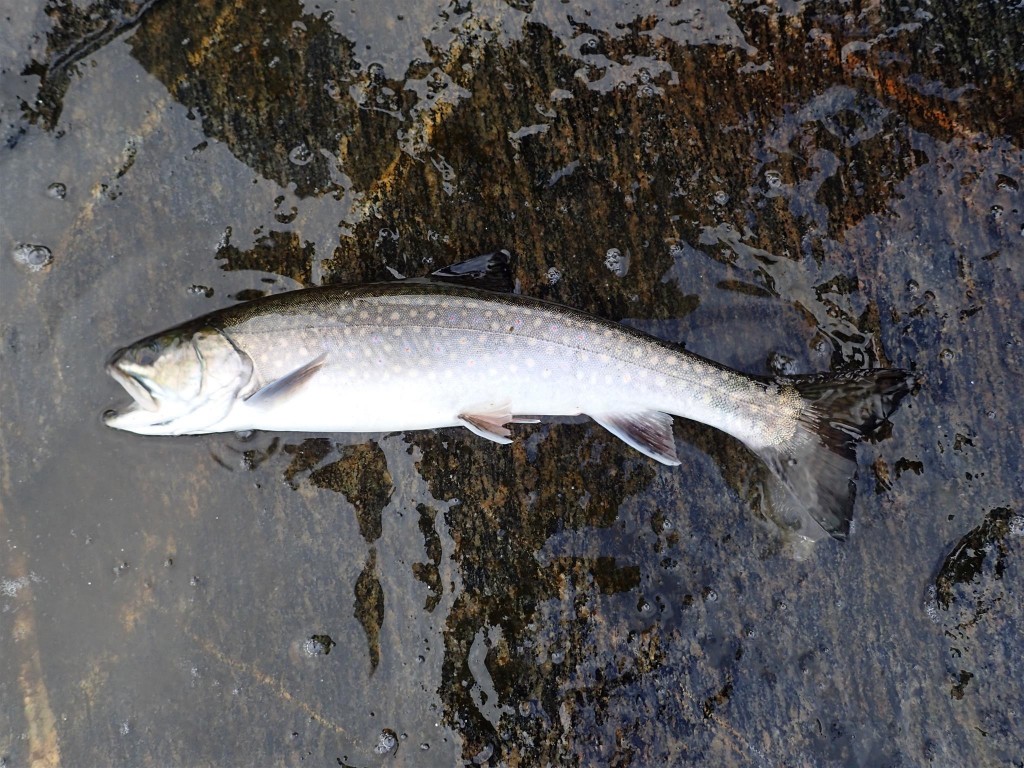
(182, 381)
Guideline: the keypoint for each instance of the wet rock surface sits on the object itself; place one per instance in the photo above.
(785, 187)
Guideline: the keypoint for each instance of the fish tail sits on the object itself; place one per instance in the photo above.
(817, 466)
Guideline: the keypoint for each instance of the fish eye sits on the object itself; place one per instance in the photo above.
(148, 354)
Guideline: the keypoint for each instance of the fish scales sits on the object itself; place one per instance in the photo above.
(533, 357)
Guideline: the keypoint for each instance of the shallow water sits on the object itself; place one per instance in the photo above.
(794, 186)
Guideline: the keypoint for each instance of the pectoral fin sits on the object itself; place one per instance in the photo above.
(650, 432)
(284, 387)
(490, 423)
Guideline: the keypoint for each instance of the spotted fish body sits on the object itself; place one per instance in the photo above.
(414, 355)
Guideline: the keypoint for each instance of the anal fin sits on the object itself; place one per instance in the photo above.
(650, 432)
(282, 388)
(490, 423)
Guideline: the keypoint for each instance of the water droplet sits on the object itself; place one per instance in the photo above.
(201, 290)
(946, 355)
(913, 287)
(773, 179)
(424, 746)
(57, 191)
(557, 657)
(617, 261)
(782, 364)
(387, 742)
(1006, 183)
(300, 155)
(318, 645)
(997, 211)
(554, 275)
(35, 258)
(721, 197)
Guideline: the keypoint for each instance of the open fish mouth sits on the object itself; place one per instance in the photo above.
(141, 395)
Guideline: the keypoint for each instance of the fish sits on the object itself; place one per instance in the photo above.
(460, 348)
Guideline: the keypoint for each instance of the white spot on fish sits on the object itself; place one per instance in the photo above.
(538, 322)
(397, 332)
(364, 315)
(394, 315)
(659, 381)
(603, 358)
(532, 342)
(530, 362)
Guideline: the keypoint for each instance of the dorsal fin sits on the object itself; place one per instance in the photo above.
(488, 271)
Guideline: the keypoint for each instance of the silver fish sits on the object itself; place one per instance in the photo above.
(450, 351)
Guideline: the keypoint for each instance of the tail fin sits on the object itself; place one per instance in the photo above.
(817, 466)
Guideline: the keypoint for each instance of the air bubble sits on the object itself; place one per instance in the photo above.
(34, 258)
(554, 275)
(721, 197)
(773, 179)
(57, 191)
(300, 155)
